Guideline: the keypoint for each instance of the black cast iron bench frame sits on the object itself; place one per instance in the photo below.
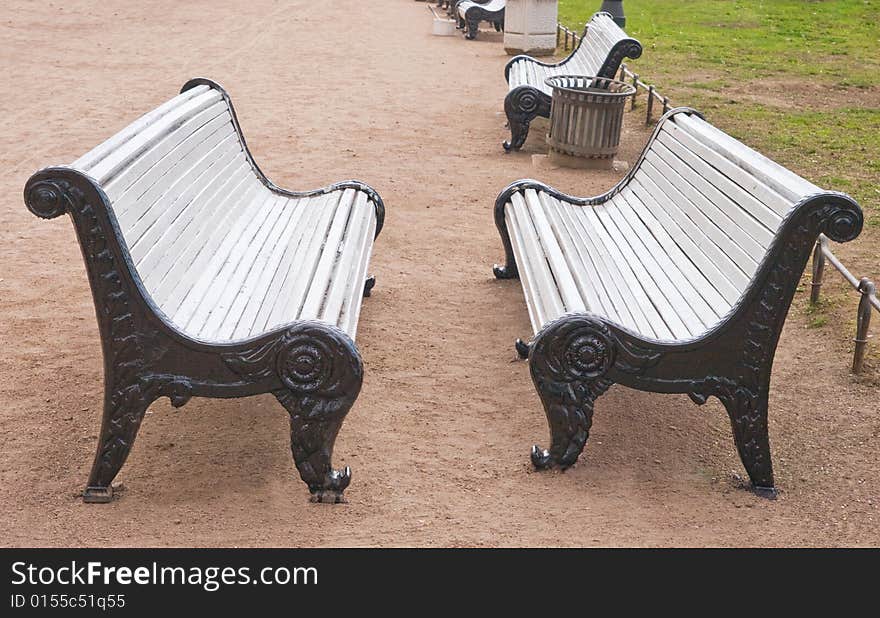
(576, 358)
(314, 369)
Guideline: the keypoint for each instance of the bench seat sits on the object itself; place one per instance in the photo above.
(677, 280)
(210, 280)
(599, 53)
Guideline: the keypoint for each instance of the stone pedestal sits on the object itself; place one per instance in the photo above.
(530, 27)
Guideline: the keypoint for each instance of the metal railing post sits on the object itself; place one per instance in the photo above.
(818, 271)
(636, 93)
(650, 104)
(863, 321)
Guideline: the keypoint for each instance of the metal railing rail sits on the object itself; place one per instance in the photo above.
(865, 287)
(570, 40)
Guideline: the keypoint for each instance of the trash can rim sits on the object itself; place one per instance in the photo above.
(627, 90)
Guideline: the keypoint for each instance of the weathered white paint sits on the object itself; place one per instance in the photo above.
(668, 255)
(222, 256)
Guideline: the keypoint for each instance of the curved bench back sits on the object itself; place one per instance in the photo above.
(725, 199)
(594, 54)
(170, 173)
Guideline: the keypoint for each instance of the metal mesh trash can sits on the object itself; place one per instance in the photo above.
(586, 116)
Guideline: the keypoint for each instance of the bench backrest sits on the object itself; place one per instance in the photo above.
(174, 178)
(183, 155)
(596, 53)
(493, 5)
(724, 200)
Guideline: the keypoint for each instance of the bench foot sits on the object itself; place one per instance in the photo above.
(522, 105)
(333, 493)
(508, 271)
(97, 495)
(768, 493)
(322, 373)
(369, 284)
(522, 348)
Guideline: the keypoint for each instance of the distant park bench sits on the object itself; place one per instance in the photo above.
(677, 280)
(602, 48)
(210, 281)
(470, 13)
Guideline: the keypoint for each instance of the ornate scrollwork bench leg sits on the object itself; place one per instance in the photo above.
(473, 25)
(320, 373)
(125, 403)
(522, 105)
(569, 360)
(747, 409)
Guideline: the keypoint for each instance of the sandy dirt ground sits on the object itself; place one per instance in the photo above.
(439, 438)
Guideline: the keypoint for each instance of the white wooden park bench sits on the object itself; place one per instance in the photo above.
(599, 53)
(210, 281)
(470, 13)
(677, 280)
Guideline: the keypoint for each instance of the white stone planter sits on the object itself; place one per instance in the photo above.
(530, 27)
(444, 27)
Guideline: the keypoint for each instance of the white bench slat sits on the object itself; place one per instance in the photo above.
(726, 216)
(159, 219)
(323, 274)
(751, 215)
(143, 171)
(646, 316)
(135, 203)
(345, 270)
(599, 262)
(669, 301)
(194, 282)
(250, 273)
(764, 203)
(592, 289)
(116, 160)
(682, 233)
(170, 280)
(785, 182)
(287, 306)
(525, 270)
(732, 261)
(351, 309)
(169, 246)
(607, 273)
(226, 286)
(217, 280)
(99, 152)
(549, 301)
(274, 268)
(685, 278)
(311, 209)
(571, 297)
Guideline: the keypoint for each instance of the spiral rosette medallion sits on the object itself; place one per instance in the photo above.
(588, 355)
(574, 348)
(527, 101)
(842, 219)
(47, 199)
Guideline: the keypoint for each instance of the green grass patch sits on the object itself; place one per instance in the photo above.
(830, 39)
